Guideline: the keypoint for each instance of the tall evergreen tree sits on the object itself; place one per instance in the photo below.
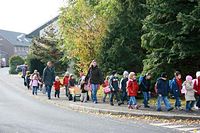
(121, 48)
(172, 36)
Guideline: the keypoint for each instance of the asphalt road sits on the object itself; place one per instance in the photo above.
(20, 113)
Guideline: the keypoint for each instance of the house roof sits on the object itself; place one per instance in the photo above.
(15, 38)
(36, 32)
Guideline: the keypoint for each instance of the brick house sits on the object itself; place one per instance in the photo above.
(12, 43)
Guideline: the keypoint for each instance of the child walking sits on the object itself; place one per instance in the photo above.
(123, 87)
(34, 84)
(114, 85)
(176, 86)
(66, 83)
(106, 89)
(132, 88)
(84, 91)
(189, 93)
(57, 85)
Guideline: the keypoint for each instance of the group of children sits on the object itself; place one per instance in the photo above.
(127, 89)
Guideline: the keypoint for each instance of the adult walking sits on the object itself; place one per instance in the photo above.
(48, 77)
(95, 78)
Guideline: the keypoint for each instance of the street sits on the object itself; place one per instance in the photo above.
(20, 113)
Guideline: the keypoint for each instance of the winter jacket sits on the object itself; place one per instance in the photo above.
(197, 86)
(34, 83)
(132, 87)
(176, 91)
(163, 87)
(57, 85)
(72, 83)
(66, 80)
(114, 83)
(48, 76)
(189, 95)
(123, 84)
(145, 84)
(94, 76)
(83, 88)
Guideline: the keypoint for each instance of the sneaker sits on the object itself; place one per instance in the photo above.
(137, 106)
(159, 110)
(112, 104)
(147, 106)
(130, 107)
(95, 102)
(170, 109)
(119, 104)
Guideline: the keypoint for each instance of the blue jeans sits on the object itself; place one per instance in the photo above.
(177, 102)
(132, 101)
(189, 105)
(94, 92)
(48, 89)
(165, 100)
(146, 98)
(34, 90)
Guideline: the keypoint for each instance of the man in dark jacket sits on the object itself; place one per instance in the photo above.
(95, 78)
(144, 83)
(163, 91)
(48, 77)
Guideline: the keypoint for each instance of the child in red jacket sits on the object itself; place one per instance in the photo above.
(57, 85)
(132, 88)
(66, 83)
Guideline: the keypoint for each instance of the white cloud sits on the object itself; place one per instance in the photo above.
(27, 15)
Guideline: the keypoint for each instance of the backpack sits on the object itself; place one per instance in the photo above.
(140, 80)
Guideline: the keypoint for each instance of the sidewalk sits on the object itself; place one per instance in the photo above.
(105, 108)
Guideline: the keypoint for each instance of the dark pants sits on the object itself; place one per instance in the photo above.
(124, 96)
(189, 105)
(146, 96)
(198, 101)
(57, 93)
(48, 89)
(66, 90)
(116, 94)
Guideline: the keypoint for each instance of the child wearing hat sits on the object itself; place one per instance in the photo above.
(66, 83)
(197, 88)
(114, 85)
(57, 85)
(189, 93)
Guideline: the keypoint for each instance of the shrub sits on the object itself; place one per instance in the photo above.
(13, 62)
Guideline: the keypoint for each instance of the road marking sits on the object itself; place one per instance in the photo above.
(187, 129)
(174, 126)
(159, 124)
(182, 128)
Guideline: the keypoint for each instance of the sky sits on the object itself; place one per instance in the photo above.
(27, 15)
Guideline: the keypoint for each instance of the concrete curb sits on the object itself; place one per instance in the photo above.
(127, 113)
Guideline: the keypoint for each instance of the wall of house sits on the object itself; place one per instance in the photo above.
(6, 49)
(21, 50)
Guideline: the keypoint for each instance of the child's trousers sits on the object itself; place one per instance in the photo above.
(83, 97)
(57, 93)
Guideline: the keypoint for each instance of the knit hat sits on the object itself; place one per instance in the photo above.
(188, 78)
(198, 74)
(67, 73)
(125, 74)
(164, 75)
